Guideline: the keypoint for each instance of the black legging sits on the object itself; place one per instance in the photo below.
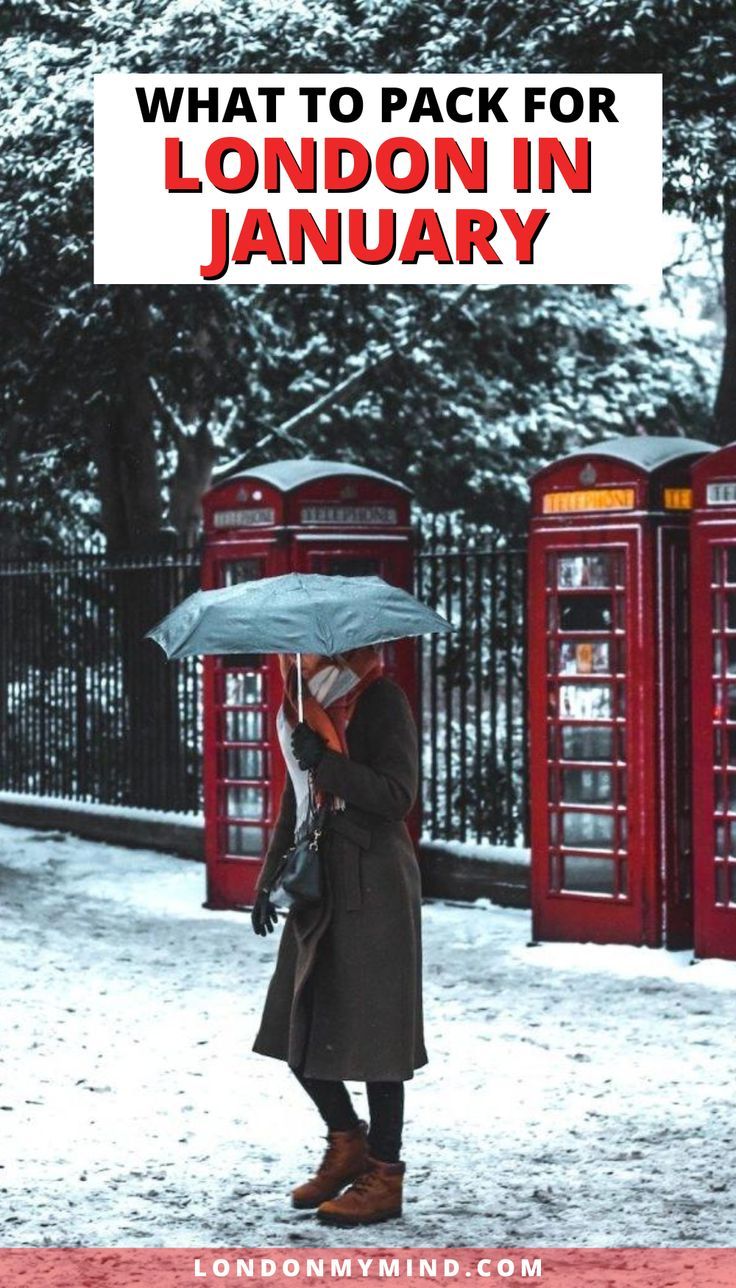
(386, 1105)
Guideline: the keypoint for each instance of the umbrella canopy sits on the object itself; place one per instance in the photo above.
(296, 613)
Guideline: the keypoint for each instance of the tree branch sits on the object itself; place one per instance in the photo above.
(173, 422)
(232, 416)
(375, 358)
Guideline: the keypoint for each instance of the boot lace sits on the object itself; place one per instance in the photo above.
(364, 1182)
(328, 1156)
(333, 1147)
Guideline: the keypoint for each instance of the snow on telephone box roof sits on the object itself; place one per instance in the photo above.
(655, 470)
(287, 475)
(647, 453)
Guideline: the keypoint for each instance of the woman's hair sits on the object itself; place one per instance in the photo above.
(343, 659)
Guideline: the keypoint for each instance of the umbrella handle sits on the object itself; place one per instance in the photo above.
(299, 688)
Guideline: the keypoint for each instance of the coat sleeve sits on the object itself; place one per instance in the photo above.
(386, 782)
(282, 837)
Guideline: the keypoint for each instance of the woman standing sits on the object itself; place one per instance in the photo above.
(345, 1000)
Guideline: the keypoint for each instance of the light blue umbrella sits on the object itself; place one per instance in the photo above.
(297, 613)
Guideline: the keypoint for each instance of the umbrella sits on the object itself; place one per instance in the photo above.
(296, 613)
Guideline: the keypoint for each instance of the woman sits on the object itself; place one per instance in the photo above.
(345, 999)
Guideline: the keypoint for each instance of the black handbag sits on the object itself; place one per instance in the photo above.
(300, 880)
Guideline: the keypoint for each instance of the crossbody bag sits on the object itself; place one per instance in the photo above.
(299, 881)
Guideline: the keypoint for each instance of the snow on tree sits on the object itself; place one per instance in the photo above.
(120, 402)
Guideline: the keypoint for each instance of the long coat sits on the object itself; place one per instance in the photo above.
(345, 1000)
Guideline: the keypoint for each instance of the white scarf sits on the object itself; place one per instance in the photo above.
(328, 685)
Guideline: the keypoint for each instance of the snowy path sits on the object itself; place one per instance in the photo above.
(575, 1095)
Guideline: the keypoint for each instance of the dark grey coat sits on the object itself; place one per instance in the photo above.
(345, 1000)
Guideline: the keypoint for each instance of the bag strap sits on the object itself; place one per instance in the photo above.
(317, 815)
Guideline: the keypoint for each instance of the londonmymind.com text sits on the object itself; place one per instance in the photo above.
(357, 1267)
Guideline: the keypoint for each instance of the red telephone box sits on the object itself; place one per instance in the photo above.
(608, 706)
(294, 515)
(713, 609)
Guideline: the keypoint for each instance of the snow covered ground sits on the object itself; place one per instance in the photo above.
(575, 1095)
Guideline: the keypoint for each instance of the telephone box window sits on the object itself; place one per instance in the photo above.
(724, 654)
(723, 840)
(726, 702)
(238, 570)
(586, 713)
(241, 688)
(594, 569)
(723, 665)
(724, 742)
(724, 610)
(555, 872)
(725, 793)
(584, 657)
(586, 742)
(243, 726)
(244, 762)
(585, 875)
(244, 802)
(585, 612)
(244, 842)
(238, 686)
(586, 701)
(591, 830)
(580, 786)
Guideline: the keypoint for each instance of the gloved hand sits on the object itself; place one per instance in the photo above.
(264, 915)
(307, 745)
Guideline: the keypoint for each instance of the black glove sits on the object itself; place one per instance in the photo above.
(307, 745)
(264, 915)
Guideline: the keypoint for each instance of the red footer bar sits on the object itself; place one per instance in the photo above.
(280, 1267)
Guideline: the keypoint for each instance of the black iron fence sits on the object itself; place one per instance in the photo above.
(473, 687)
(90, 710)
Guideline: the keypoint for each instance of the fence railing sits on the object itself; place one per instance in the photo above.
(473, 687)
(90, 710)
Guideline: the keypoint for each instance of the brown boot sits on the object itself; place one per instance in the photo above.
(375, 1196)
(345, 1158)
